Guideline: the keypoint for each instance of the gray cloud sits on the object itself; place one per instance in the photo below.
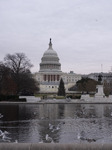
(81, 31)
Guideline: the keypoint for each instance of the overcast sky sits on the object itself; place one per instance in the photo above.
(81, 32)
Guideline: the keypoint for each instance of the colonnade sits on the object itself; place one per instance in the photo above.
(51, 78)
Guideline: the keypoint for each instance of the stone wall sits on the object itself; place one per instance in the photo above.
(29, 146)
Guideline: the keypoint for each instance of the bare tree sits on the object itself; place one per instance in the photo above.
(17, 62)
(7, 84)
(20, 66)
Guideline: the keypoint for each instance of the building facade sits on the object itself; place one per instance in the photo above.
(105, 76)
(50, 73)
(106, 80)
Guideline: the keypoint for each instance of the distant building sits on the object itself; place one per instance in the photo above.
(106, 80)
(105, 76)
(50, 73)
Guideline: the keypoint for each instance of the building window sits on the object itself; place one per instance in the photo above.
(48, 78)
(57, 77)
(44, 77)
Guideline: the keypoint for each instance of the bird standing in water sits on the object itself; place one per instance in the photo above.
(48, 138)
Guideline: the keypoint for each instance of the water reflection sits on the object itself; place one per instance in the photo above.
(71, 123)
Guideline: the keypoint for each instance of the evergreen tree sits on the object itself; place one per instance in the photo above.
(61, 89)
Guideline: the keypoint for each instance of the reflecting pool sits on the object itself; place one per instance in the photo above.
(59, 123)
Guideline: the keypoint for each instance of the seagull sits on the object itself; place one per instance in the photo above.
(1, 116)
(91, 140)
(68, 99)
(48, 138)
(16, 141)
(81, 136)
(51, 126)
(1, 133)
(5, 132)
(34, 113)
(78, 136)
(5, 138)
(111, 114)
(42, 118)
(41, 141)
(58, 128)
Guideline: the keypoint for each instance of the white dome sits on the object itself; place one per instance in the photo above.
(50, 60)
(50, 53)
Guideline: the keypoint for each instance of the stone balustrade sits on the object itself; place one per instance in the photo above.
(47, 146)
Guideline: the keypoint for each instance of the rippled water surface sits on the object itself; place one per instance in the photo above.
(64, 123)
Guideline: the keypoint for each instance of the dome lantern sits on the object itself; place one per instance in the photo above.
(50, 44)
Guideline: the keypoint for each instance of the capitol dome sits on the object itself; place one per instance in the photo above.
(50, 60)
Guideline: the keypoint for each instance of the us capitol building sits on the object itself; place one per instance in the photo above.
(50, 73)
